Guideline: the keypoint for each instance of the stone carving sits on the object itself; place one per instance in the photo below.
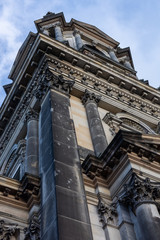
(16, 154)
(33, 230)
(49, 80)
(7, 230)
(31, 115)
(41, 89)
(107, 212)
(134, 125)
(116, 123)
(90, 97)
(138, 191)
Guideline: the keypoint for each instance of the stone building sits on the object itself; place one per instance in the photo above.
(79, 140)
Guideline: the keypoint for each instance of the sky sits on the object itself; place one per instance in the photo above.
(133, 23)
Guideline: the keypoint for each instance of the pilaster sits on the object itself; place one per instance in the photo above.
(62, 184)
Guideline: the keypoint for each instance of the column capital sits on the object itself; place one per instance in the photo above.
(31, 115)
(76, 31)
(90, 97)
(50, 80)
(33, 230)
(139, 191)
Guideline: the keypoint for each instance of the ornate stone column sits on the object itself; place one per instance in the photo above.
(78, 39)
(58, 33)
(31, 164)
(140, 194)
(90, 101)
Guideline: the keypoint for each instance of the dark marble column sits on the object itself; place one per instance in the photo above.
(31, 164)
(64, 212)
(149, 221)
(140, 194)
(90, 101)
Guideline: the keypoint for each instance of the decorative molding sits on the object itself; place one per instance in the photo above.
(126, 96)
(27, 191)
(126, 122)
(15, 156)
(89, 97)
(107, 213)
(7, 230)
(123, 146)
(39, 87)
(139, 191)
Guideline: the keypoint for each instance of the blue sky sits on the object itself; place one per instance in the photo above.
(133, 23)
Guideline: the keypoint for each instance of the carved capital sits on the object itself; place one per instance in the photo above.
(90, 97)
(7, 230)
(107, 212)
(31, 115)
(33, 230)
(139, 191)
(49, 80)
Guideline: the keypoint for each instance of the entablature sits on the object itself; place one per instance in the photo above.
(119, 153)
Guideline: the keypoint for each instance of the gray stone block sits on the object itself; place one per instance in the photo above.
(71, 204)
(70, 229)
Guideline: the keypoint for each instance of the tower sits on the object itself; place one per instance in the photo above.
(79, 139)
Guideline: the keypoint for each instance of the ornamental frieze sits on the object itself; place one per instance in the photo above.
(105, 87)
(109, 89)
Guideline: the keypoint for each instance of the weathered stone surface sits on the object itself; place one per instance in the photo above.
(74, 228)
(149, 222)
(62, 184)
(48, 194)
(68, 177)
(66, 154)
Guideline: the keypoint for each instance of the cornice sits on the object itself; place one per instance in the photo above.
(20, 193)
(124, 143)
(86, 72)
(106, 78)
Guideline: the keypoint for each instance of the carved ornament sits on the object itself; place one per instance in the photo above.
(7, 230)
(32, 232)
(107, 212)
(139, 191)
(50, 80)
(89, 97)
(31, 115)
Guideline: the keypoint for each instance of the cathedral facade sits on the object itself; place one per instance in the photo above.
(79, 140)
